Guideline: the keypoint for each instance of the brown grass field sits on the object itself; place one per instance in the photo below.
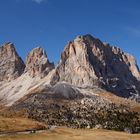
(18, 124)
(75, 134)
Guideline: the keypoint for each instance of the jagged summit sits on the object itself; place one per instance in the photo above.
(37, 63)
(11, 65)
(87, 61)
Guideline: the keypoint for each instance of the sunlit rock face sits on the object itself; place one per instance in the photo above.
(37, 63)
(11, 65)
(86, 61)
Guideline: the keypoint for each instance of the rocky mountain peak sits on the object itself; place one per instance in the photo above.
(37, 63)
(11, 65)
(8, 49)
(86, 61)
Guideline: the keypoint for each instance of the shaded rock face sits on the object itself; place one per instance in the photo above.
(87, 61)
(11, 65)
(37, 63)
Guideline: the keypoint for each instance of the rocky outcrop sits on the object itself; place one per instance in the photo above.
(66, 105)
(37, 63)
(11, 65)
(86, 61)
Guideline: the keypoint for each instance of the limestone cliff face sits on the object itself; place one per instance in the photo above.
(86, 61)
(37, 63)
(75, 67)
(11, 65)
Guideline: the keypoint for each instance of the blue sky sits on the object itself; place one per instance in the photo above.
(52, 23)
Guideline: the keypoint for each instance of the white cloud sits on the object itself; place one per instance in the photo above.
(38, 1)
(135, 31)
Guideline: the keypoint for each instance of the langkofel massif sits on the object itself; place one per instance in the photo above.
(93, 85)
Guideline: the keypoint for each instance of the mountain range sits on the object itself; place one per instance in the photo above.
(93, 85)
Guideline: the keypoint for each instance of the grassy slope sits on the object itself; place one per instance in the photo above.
(74, 134)
(18, 124)
(9, 123)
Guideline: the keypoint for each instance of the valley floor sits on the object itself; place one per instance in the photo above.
(75, 134)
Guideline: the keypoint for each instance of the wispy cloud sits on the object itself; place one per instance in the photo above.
(135, 31)
(129, 11)
(38, 1)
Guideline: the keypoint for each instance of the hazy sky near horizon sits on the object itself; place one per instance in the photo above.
(52, 23)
